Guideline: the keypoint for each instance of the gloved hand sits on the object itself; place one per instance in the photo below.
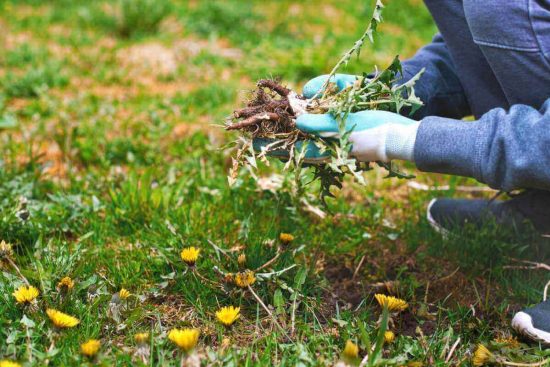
(376, 135)
(313, 154)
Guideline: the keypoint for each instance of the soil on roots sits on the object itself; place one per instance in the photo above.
(268, 112)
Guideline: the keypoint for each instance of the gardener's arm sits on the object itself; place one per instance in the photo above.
(505, 149)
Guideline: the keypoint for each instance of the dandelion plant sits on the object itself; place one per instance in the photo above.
(273, 108)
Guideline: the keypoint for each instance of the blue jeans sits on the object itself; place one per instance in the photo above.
(492, 60)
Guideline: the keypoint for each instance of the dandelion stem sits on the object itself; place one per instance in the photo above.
(452, 350)
(269, 313)
(275, 273)
(528, 265)
(205, 279)
(518, 364)
(270, 261)
(355, 49)
(12, 263)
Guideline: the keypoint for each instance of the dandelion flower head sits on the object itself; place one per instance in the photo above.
(62, 320)
(90, 348)
(190, 255)
(228, 315)
(394, 304)
(185, 339)
(25, 294)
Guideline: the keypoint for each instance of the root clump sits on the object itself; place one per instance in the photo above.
(269, 112)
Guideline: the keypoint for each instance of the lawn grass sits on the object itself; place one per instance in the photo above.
(114, 160)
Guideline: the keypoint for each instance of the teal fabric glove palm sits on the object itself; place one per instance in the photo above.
(375, 135)
(313, 154)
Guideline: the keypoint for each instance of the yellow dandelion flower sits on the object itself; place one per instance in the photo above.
(242, 259)
(25, 294)
(482, 355)
(245, 278)
(62, 320)
(5, 249)
(393, 304)
(124, 293)
(185, 339)
(415, 364)
(351, 350)
(286, 238)
(389, 337)
(66, 283)
(190, 255)
(228, 315)
(6, 363)
(90, 348)
(141, 338)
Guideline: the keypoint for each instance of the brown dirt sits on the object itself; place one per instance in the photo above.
(191, 47)
(172, 309)
(440, 284)
(407, 324)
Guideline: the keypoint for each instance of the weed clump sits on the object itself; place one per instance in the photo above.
(33, 81)
(271, 112)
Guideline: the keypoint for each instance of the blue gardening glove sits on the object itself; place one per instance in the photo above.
(376, 135)
(312, 156)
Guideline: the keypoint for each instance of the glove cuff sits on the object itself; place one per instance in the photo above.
(400, 141)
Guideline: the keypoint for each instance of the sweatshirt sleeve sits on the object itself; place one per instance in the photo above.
(439, 87)
(505, 149)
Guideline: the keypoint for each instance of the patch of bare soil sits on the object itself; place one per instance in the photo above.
(344, 287)
(191, 47)
(437, 283)
(152, 58)
(172, 309)
(14, 40)
(50, 156)
(409, 322)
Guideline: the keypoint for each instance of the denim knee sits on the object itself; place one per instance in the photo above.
(501, 24)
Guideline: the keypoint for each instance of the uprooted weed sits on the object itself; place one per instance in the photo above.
(268, 112)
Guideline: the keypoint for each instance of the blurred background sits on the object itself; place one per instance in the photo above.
(185, 60)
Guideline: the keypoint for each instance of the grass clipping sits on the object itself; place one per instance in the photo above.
(272, 110)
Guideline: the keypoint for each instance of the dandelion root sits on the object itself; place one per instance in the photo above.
(269, 112)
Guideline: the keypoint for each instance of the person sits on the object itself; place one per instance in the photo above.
(490, 59)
